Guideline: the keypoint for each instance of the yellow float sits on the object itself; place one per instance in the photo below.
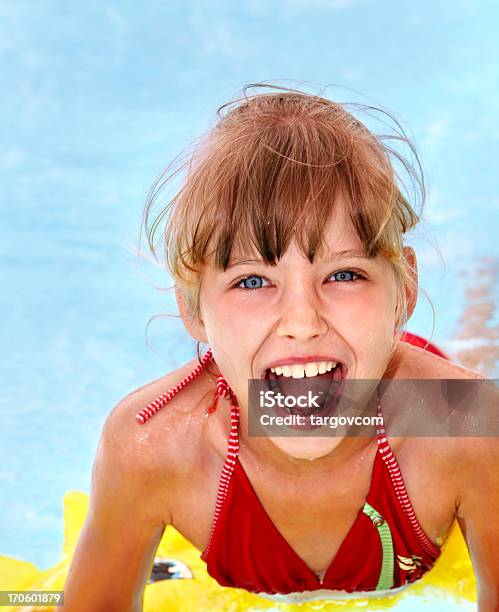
(449, 585)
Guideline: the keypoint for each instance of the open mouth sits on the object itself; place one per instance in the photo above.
(325, 388)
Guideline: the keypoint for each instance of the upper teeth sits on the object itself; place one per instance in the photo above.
(300, 370)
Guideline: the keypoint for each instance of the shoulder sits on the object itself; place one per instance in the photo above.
(462, 408)
(158, 445)
(415, 362)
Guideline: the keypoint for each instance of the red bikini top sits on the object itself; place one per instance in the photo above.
(384, 549)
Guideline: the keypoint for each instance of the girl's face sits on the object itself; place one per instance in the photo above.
(342, 306)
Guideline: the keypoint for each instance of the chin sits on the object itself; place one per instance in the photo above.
(309, 448)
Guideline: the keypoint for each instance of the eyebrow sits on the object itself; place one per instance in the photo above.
(331, 256)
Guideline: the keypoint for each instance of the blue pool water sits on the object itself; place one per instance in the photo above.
(97, 97)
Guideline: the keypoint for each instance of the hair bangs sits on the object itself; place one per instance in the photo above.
(281, 183)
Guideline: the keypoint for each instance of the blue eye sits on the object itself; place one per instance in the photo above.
(252, 281)
(345, 275)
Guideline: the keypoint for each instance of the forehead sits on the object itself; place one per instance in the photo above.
(339, 229)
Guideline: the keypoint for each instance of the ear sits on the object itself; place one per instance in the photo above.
(411, 295)
(193, 324)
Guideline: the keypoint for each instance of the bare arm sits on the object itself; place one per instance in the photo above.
(478, 517)
(122, 530)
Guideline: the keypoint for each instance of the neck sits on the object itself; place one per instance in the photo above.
(263, 451)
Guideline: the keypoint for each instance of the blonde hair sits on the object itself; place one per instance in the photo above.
(270, 171)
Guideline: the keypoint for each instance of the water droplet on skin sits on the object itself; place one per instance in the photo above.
(142, 437)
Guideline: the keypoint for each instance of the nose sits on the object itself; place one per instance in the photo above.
(301, 319)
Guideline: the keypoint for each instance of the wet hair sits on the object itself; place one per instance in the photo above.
(271, 171)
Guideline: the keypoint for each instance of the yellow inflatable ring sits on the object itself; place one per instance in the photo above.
(450, 582)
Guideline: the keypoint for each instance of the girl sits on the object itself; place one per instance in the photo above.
(286, 245)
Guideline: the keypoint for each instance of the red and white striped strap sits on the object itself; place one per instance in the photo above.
(146, 413)
(228, 468)
(399, 486)
(222, 389)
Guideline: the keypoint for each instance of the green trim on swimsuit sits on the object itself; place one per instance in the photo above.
(385, 580)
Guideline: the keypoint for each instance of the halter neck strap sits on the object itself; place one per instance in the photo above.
(222, 389)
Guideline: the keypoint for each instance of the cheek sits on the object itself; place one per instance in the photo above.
(368, 323)
(236, 323)
(228, 329)
(232, 339)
